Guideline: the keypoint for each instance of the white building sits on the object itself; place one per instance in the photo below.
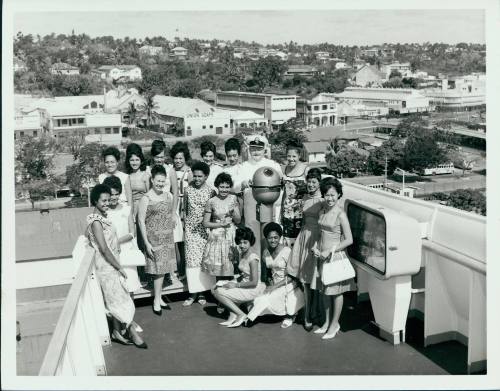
(116, 72)
(324, 110)
(179, 52)
(148, 50)
(467, 92)
(61, 68)
(399, 100)
(403, 68)
(316, 151)
(19, 65)
(29, 124)
(194, 116)
(277, 109)
(341, 65)
(322, 56)
(69, 116)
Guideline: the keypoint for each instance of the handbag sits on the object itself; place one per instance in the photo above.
(130, 255)
(337, 269)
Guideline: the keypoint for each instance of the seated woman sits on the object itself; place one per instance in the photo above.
(283, 297)
(102, 236)
(232, 293)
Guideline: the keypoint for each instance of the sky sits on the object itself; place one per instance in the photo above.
(345, 27)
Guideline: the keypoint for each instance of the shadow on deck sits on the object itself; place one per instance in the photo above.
(189, 341)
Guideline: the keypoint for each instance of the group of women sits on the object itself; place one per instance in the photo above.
(193, 220)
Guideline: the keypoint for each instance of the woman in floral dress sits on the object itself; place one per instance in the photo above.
(156, 220)
(102, 236)
(294, 178)
(221, 214)
(196, 198)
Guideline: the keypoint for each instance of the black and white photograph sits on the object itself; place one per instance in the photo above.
(267, 195)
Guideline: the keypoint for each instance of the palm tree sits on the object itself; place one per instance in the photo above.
(132, 113)
(148, 108)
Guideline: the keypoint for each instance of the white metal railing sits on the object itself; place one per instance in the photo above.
(82, 329)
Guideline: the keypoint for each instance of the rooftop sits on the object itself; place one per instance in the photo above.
(122, 67)
(179, 107)
(378, 93)
(103, 119)
(67, 105)
(252, 94)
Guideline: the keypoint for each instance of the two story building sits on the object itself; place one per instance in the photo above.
(179, 52)
(383, 100)
(148, 50)
(120, 72)
(277, 109)
(307, 71)
(61, 68)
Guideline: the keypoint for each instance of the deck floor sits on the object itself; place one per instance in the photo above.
(189, 341)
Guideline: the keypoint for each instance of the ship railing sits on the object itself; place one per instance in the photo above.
(76, 346)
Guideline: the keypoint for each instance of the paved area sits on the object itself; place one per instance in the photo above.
(189, 341)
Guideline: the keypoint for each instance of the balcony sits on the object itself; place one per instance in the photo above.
(445, 332)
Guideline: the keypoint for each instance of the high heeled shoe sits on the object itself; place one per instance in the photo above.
(166, 306)
(142, 345)
(332, 335)
(157, 312)
(118, 338)
(238, 322)
(227, 322)
(308, 327)
(321, 330)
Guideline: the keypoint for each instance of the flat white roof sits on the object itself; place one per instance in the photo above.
(103, 119)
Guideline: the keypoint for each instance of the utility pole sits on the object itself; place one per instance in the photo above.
(385, 173)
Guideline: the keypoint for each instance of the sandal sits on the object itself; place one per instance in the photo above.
(202, 300)
(188, 302)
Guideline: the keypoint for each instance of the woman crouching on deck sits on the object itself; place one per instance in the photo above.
(232, 294)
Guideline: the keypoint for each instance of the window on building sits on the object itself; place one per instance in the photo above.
(107, 130)
(80, 120)
(211, 126)
(324, 107)
(116, 130)
(189, 132)
(73, 121)
(225, 125)
(243, 125)
(35, 133)
(316, 108)
(93, 105)
(203, 127)
(189, 128)
(65, 121)
(218, 130)
(21, 133)
(97, 131)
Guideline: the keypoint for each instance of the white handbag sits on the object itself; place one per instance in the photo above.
(130, 255)
(337, 269)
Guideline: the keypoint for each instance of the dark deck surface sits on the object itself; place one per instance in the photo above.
(189, 341)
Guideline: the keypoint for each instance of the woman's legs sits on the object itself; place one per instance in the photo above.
(336, 303)
(226, 302)
(328, 304)
(307, 304)
(158, 287)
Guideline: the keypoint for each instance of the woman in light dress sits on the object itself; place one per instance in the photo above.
(336, 236)
(101, 234)
(283, 295)
(111, 157)
(158, 156)
(302, 263)
(156, 221)
(208, 152)
(139, 177)
(196, 197)
(294, 178)
(232, 294)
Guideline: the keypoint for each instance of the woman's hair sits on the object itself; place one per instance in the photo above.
(201, 166)
(232, 145)
(207, 146)
(158, 169)
(223, 177)
(178, 147)
(327, 183)
(272, 227)
(244, 233)
(295, 146)
(113, 182)
(134, 149)
(314, 173)
(157, 147)
(96, 192)
(113, 151)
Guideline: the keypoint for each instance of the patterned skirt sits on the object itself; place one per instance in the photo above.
(220, 253)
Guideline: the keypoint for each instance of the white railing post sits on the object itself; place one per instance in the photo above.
(90, 325)
(78, 346)
(97, 304)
